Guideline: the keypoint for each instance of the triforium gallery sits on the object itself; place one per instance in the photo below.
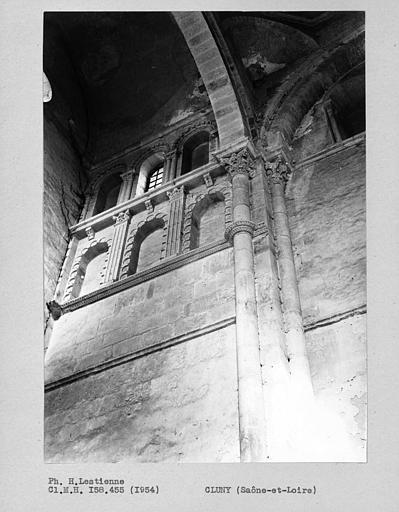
(204, 231)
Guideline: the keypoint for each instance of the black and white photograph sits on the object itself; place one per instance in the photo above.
(199, 256)
(204, 236)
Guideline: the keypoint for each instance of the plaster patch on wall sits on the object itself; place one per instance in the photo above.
(259, 60)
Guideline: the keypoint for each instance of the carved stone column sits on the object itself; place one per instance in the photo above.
(250, 393)
(278, 173)
(126, 187)
(175, 224)
(170, 165)
(117, 247)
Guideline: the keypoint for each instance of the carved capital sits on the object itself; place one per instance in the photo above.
(54, 309)
(128, 175)
(149, 206)
(176, 193)
(278, 171)
(208, 180)
(121, 217)
(90, 233)
(239, 226)
(239, 163)
(170, 154)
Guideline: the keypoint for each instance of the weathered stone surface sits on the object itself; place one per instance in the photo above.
(203, 293)
(326, 205)
(212, 224)
(158, 371)
(150, 250)
(157, 408)
(337, 357)
(62, 201)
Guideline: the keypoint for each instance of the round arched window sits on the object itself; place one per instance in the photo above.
(155, 177)
(195, 152)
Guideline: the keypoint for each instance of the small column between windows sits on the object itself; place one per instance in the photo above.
(170, 165)
(175, 224)
(117, 246)
(126, 186)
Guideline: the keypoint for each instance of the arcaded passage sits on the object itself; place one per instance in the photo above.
(205, 242)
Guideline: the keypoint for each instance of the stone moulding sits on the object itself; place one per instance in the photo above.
(239, 226)
(160, 146)
(132, 243)
(223, 189)
(72, 281)
(260, 230)
(207, 125)
(138, 204)
(166, 266)
(324, 322)
(309, 65)
(135, 354)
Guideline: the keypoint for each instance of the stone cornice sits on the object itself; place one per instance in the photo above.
(165, 266)
(135, 354)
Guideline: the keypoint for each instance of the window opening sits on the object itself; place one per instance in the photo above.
(195, 152)
(155, 178)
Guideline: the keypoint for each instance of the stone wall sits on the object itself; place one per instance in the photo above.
(150, 250)
(147, 317)
(62, 200)
(212, 223)
(326, 204)
(338, 367)
(159, 408)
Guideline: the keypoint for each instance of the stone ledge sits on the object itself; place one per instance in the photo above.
(166, 266)
(324, 322)
(140, 353)
(356, 140)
